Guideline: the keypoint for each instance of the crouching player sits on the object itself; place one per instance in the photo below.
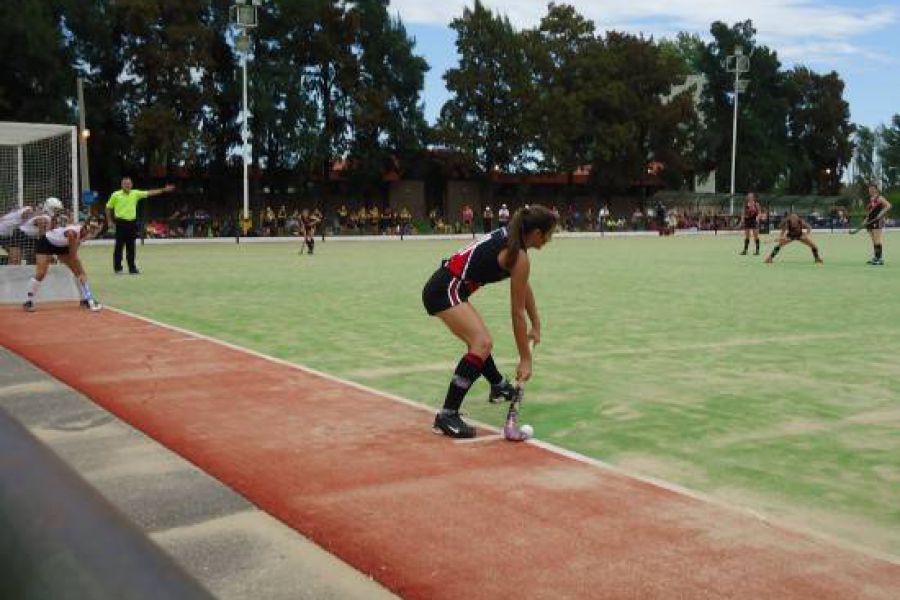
(794, 229)
(63, 243)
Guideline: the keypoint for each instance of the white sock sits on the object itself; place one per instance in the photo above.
(33, 286)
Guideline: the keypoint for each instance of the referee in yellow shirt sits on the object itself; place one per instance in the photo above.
(122, 210)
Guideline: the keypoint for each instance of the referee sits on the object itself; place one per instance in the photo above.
(122, 210)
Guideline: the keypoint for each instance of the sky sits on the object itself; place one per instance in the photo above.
(855, 38)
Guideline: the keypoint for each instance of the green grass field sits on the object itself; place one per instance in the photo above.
(775, 387)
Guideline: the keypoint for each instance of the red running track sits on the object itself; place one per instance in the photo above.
(363, 476)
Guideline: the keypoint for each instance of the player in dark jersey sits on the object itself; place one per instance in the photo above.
(308, 224)
(751, 222)
(501, 254)
(877, 208)
(795, 229)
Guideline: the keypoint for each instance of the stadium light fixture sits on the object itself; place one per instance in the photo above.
(244, 17)
(736, 63)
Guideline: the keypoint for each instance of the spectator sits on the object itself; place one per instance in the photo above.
(468, 216)
(503, 215)
(281, 220)
(487, 218)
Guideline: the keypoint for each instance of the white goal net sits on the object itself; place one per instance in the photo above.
(37, 162)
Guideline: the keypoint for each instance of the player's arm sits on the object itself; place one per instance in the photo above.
(518, 306)
(806, 226)
(885, 208)
(531, 308)
(162, 190)
(110, 205)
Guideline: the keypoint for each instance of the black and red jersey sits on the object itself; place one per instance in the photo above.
(751, 211)
(874, 208)
(478, 263)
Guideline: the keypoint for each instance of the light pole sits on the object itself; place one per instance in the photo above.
(243, 16)
(736, 63)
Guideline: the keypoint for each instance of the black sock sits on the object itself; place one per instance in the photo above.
(309, 244)
(757, 246)
(775, 251)
(746, 244)
(490, 371)
(815, 252)
(467, 371)
(878, 251)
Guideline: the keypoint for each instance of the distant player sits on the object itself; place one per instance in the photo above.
(794, 229)
(751, 222)
(878, 208)
(21, 227)
(501, 254)
(63, 243)
(308, 224)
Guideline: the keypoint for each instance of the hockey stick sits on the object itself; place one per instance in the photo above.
(511, 430)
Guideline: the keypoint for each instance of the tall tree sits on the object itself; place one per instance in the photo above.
(165, 46)
(762, 135)
(890, 153)
(555, 115)
(484, 119)
(629, 121)
(867, 142)
(388, 116)
(820, 130)
(36, 80)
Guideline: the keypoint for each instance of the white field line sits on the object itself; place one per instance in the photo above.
(427, 237)
(668, 486)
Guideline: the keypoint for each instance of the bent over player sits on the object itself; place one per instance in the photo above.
(63, 242)
(794, 229)
(501, 254)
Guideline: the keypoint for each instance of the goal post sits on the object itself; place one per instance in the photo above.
(37, 161)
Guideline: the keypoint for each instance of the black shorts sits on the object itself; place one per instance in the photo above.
(18, 239)
(443, 291)
(794, 236)
(873, 226)
(44, 246)
(751, 223)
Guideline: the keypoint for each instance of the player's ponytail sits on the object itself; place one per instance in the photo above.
(524, 221)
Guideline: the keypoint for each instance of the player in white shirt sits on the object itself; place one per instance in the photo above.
(19, 228)
(63, 243)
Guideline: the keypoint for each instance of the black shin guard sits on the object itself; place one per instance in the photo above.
(467, 371)
(746, 244)
(878, 249)
(490, 371)
(757, 245)
(775, 251)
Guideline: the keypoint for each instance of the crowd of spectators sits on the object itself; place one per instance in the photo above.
(271, 221)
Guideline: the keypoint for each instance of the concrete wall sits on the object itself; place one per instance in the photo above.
(409, 193)
(460, 193)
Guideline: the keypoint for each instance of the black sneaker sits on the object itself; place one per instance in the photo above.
(451, 424)
(28, 305)
(92, 305)
(743, 253)
(503, 392)
(134, 271)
